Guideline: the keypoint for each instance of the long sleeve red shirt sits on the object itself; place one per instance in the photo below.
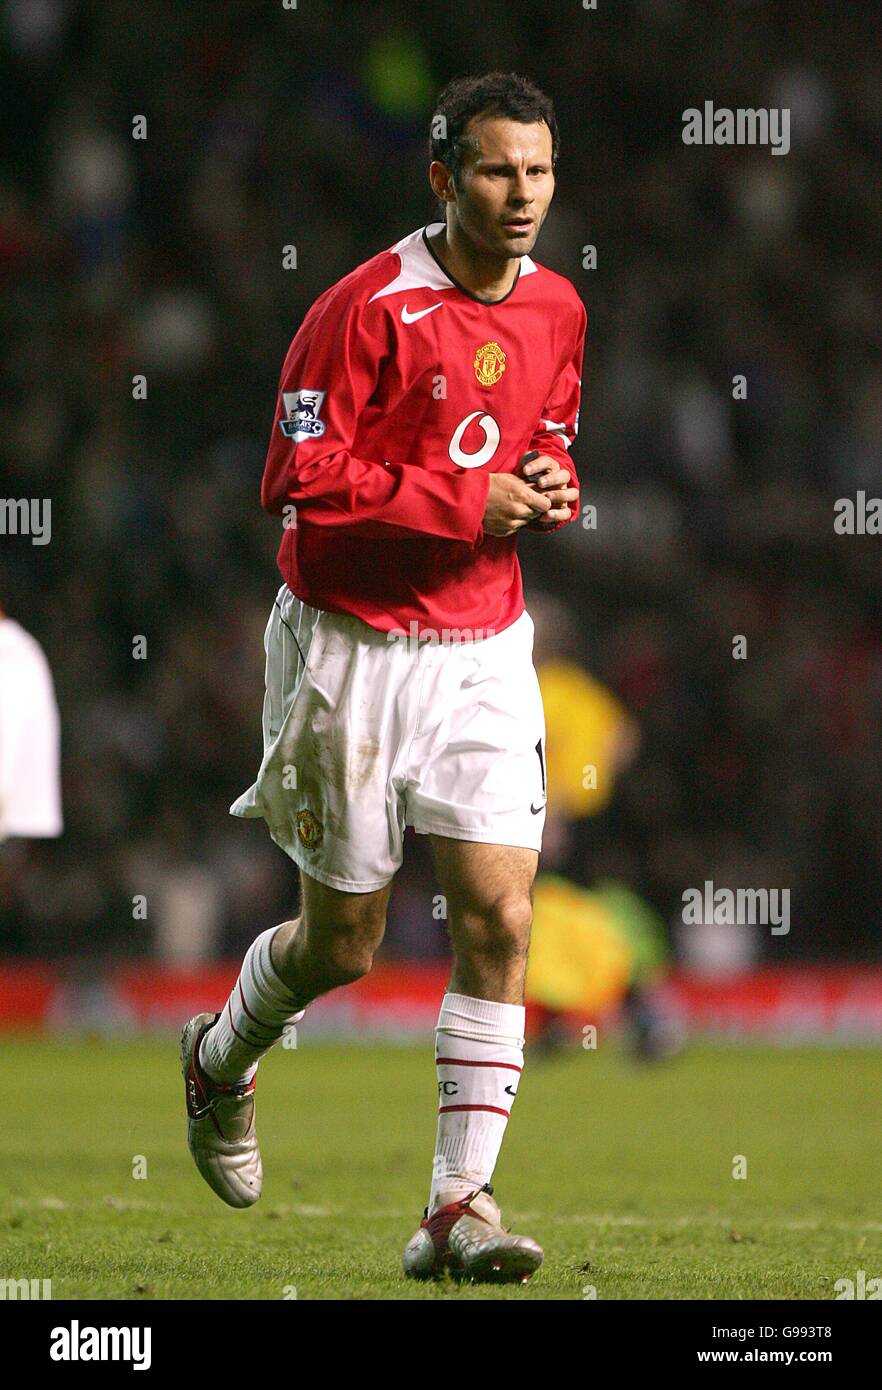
(399, 396)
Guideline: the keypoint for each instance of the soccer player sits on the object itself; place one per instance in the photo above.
(400, 688)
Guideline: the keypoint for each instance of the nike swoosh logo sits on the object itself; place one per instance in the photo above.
(510, 1091)
(420, 314)
(534, 810)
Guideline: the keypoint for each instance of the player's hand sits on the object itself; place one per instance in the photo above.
(511, 504)
(546, 476)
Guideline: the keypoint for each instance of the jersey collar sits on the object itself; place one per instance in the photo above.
(434, 227)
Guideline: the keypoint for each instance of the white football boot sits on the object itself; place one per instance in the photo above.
(467, 1238)
(220, 1125)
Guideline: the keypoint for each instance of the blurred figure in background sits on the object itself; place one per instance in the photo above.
(30, 738)
(592, 949)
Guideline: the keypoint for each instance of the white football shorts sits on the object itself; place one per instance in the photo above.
(365, 733)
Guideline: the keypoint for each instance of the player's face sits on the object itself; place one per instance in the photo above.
(506, 185)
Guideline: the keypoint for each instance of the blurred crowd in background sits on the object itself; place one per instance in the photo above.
(268, 128)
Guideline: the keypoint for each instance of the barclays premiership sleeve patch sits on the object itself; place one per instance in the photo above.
(301, 419)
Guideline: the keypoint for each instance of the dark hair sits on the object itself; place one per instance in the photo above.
(494, 94)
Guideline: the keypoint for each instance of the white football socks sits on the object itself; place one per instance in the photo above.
(253, 1019)
(479, 1053)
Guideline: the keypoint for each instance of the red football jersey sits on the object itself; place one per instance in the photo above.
(401, 393)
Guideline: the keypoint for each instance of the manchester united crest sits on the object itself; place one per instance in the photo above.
(309, 829)
(489, 364)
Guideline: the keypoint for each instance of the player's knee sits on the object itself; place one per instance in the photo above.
(348, 960)
(501, 929)
(348, 952)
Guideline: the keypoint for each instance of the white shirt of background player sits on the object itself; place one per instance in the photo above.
(30, 738)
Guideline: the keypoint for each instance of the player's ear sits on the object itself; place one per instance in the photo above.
(442, 181)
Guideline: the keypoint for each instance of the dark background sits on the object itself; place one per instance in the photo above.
(268, 127)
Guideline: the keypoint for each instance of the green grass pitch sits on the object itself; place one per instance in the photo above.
(623, 1173)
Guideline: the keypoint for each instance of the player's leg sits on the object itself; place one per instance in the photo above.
(331, 943)
(488, 891)
(332, 729)
(479, 1044)
(480, 1032)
